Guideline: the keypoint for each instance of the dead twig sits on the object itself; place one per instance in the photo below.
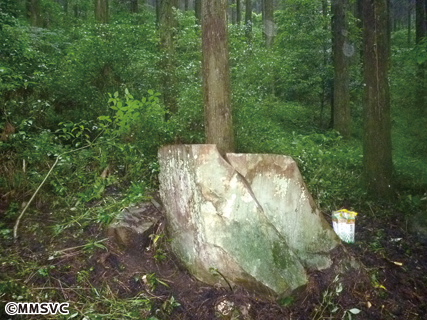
(15, 228)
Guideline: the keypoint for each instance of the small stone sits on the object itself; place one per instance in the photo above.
(132, 227)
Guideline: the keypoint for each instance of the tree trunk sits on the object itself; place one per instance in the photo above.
(268, 23)
(341, 56)
(216, 76)
(262, 11)
(409, 12)
(248, 19)
(186, 5)
(167, 25)
(157, 4)
(134, 6)
(377, 153)
(420, 33)
(238, 13)
(420, 20)
(76, 11)
(101, 11)
(33, 12)
(325, 83)
(198, 11)
(233, 11)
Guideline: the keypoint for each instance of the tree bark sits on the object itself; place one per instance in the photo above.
(238, 13)
(167, 27)
(198, 11)
(76, 11)
(409, 12)
(268, 23)
(134, 6)
(101, 11)
(248, 19)
(341, 56)
(33, 13)
(377, 152)
(420, 33)
(216, 76)
(232, 11)
(326, 87)
(420, 20)
(157, 6)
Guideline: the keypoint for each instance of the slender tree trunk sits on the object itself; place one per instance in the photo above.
(134, 6)
(186, 5)
(248, 19)
(167, 25)
(262, 5)
(157, 4)
(325, 86)
(216, 76)
(409, 8)
(268, 23)
(377, 152)
(420, 20)
(420, 33)
(359, 23)
(101, 11)
(232, 11)
(341, 55)
(76, 11)
(33, 12)
(238, 12)
(198, 11)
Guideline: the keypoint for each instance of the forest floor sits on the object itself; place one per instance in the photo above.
(394, 261)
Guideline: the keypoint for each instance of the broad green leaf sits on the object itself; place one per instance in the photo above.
(354, 311)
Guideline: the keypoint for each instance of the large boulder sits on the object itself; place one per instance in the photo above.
(247, 219)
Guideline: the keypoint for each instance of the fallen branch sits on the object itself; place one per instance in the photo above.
(15, 228)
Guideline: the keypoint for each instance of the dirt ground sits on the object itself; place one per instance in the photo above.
(392, 283)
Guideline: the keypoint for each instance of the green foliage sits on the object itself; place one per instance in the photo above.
(56, 89)
(302, 40)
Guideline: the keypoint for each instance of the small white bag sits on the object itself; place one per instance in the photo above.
(344, 223)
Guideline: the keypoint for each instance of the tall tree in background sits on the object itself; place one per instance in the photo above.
(233, 11)
(33, 12)
(216, 76)
(268, 22)
(248, 18)
(341, 57)
(326, 81)
(238, 13)
(420, 33)
(377, 153)
(134, 6)
(409, 22)
(167, 27)
(101, 11)
(198, 11)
